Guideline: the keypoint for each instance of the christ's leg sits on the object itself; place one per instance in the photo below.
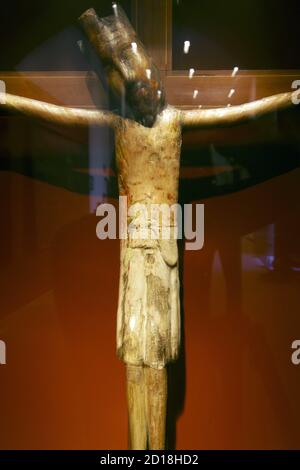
(156, 398)
(136, 407)
(147, 399)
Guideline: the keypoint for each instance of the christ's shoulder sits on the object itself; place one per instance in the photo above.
(168, 115)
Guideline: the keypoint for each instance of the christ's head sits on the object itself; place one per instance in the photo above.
(130, 70)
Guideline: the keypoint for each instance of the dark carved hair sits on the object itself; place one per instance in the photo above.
(131, 71)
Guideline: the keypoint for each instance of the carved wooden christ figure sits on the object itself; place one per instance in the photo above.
(147, 141)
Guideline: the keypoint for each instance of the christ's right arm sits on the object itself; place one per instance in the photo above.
(54, 114)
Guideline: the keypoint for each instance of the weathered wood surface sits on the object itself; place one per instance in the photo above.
(130, 70)
(148, 331)
(148, 324)
(147, 400)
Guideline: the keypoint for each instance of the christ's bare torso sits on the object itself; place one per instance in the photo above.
(148, 331)
(148, 159)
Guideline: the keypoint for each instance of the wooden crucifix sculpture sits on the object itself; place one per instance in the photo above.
(148, 142)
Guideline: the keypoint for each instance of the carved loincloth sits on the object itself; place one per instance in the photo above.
(148, 327)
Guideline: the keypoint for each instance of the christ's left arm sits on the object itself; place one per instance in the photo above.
(231, 116)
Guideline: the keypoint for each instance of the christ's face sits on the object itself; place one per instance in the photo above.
(133, 76)
(145, 100)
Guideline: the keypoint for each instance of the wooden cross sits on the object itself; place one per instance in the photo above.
(148, 143)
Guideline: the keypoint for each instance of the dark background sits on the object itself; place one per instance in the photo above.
(252, 34)
(42, 35)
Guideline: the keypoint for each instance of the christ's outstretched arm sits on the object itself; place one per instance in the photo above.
(54, 114)
(226, 117)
